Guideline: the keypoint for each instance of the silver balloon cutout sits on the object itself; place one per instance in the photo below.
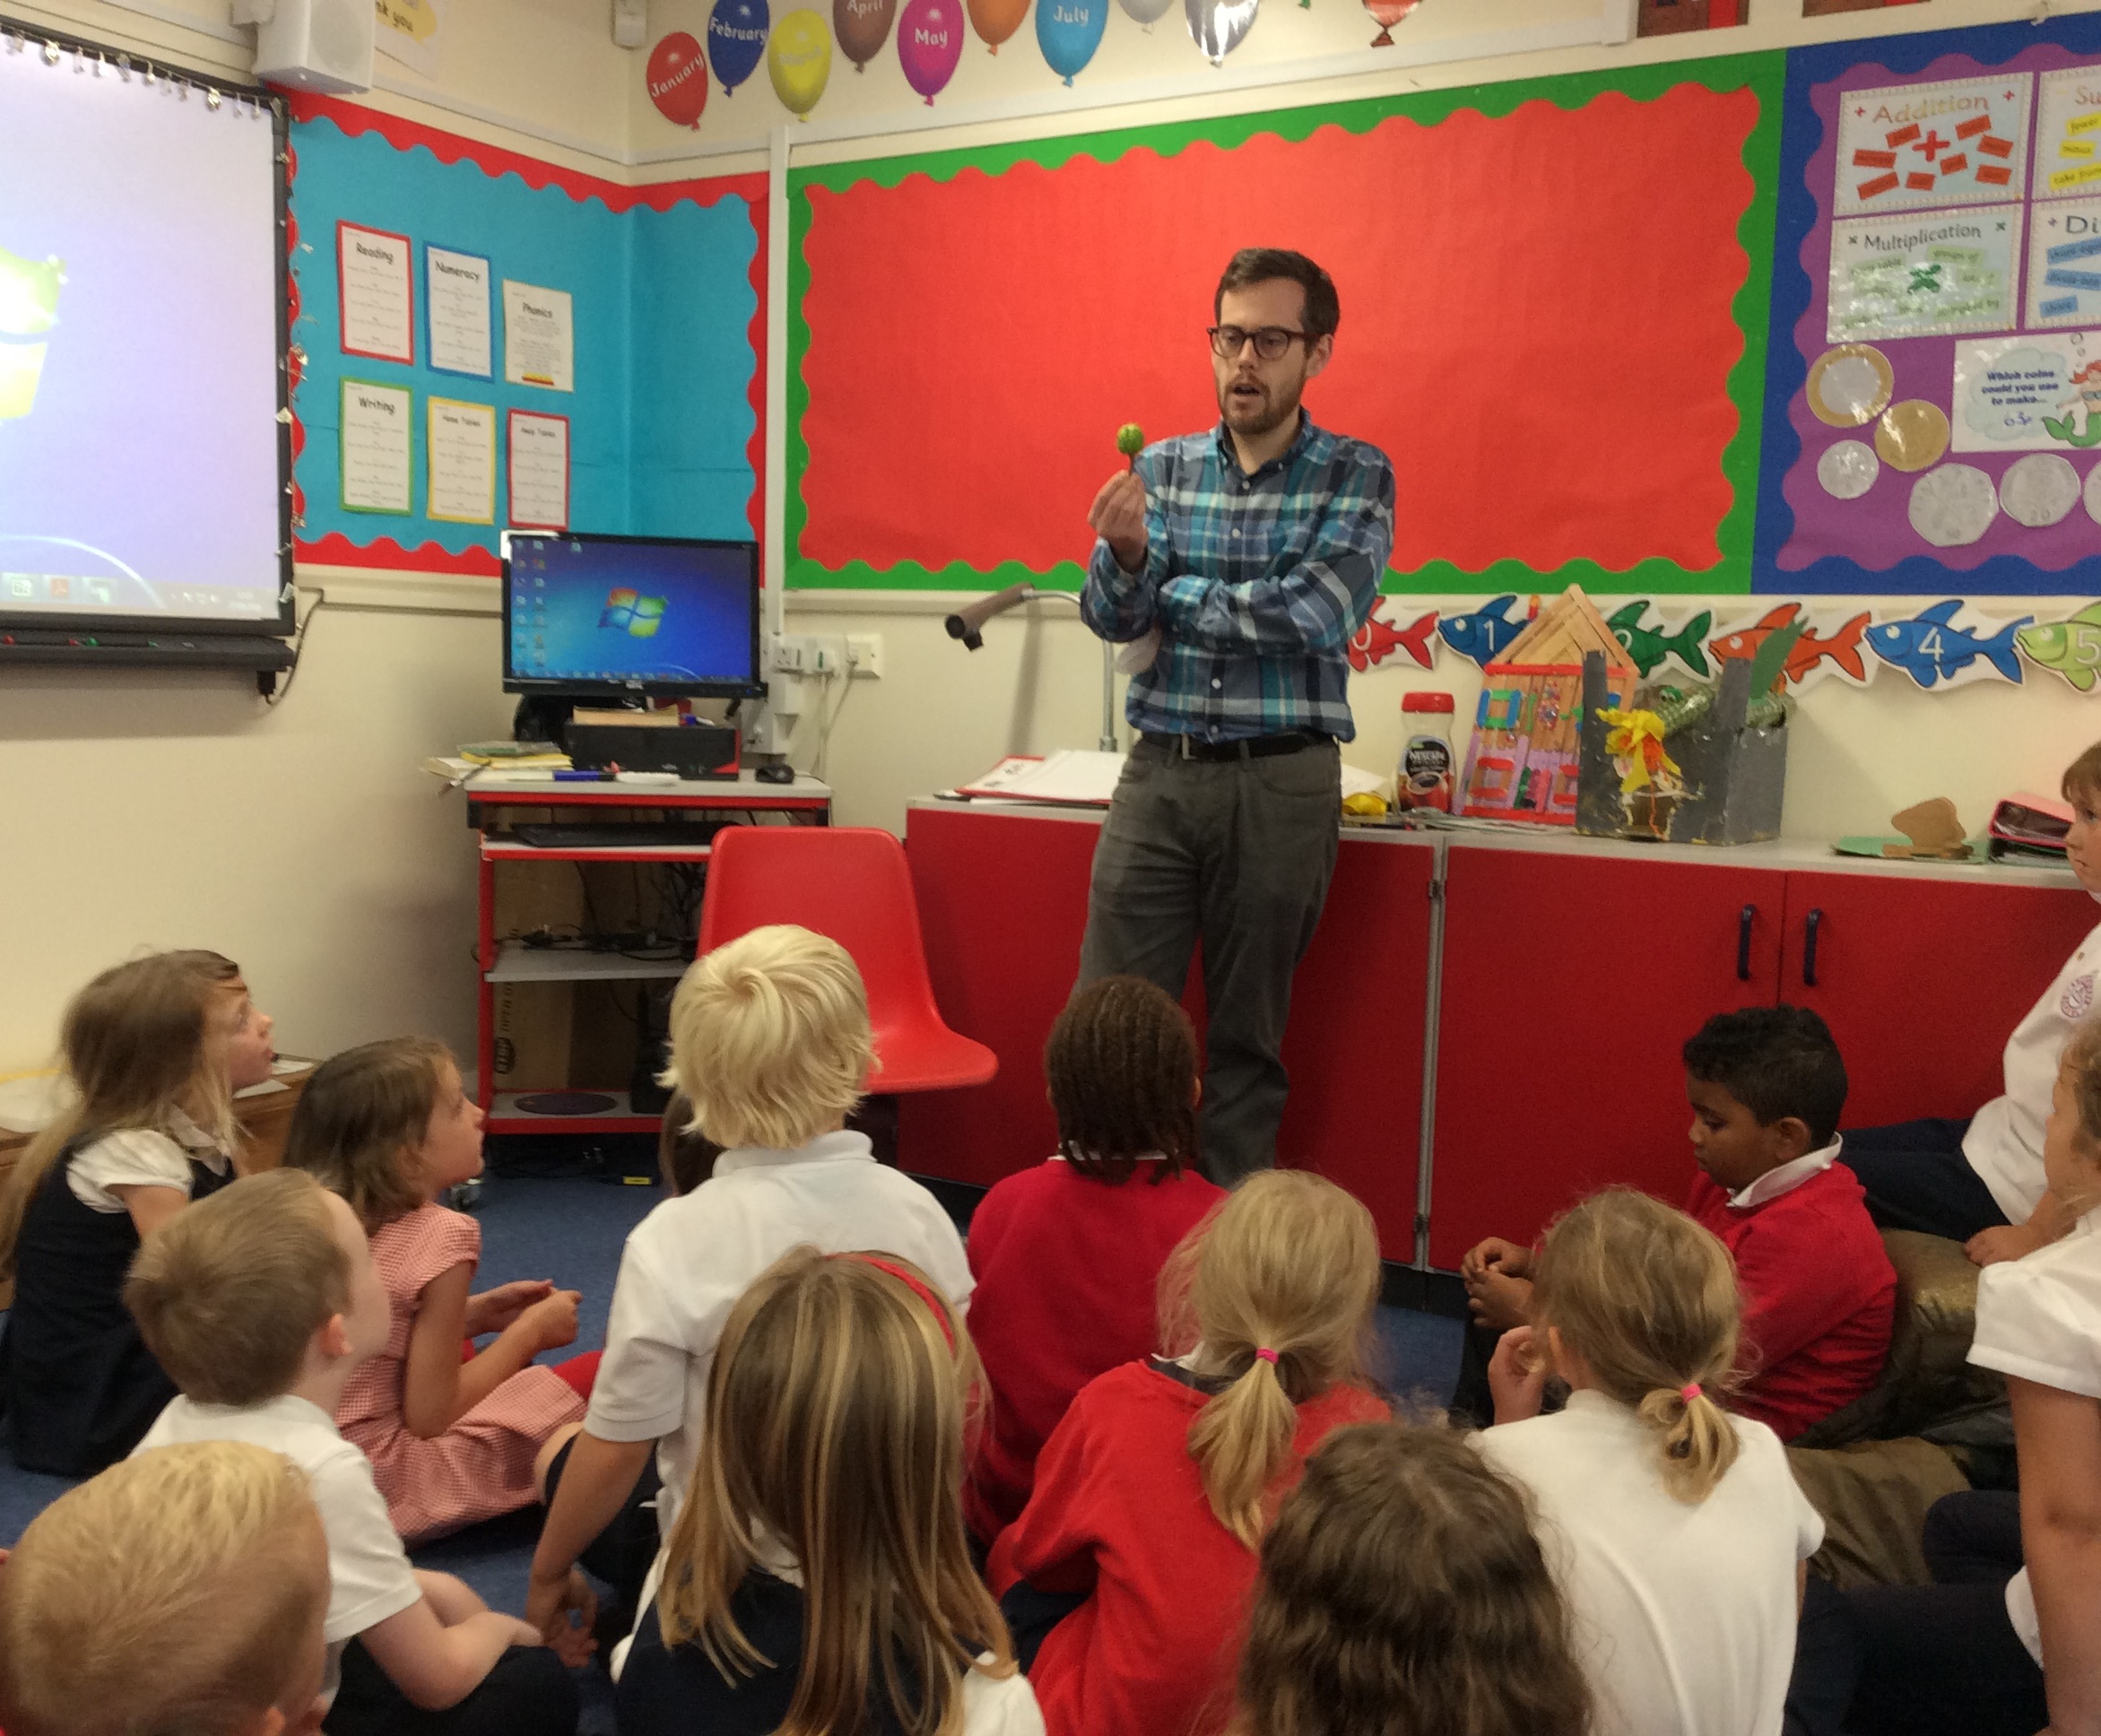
(1146, 12)
(1217, 26)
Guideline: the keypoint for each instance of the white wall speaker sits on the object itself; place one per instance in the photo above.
(317, 45)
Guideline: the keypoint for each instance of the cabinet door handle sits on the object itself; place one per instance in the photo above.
(1744, 919)
(1810, 925)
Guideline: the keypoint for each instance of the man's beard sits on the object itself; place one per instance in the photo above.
(1278, 408)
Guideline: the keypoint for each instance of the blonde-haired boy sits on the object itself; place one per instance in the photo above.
(183, 1589)
(770, 1043)
(260, 1309)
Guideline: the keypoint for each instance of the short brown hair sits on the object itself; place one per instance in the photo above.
(2082, 778)
(1253, 265)
(1120, 1064)
(361, 1120)
(172, 1592)
(1402, 1590)
(229, 1291)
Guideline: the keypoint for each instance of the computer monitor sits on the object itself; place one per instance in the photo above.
(591, 617)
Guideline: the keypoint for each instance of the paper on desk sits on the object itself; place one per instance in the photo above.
(1073, 776)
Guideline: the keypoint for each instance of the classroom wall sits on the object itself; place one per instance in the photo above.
(175, 808)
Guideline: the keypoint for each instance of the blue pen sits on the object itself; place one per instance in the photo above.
(581, 777)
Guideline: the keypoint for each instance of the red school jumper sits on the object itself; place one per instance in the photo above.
(1819, 1295)
(1119, 1510)
(1067, 1265)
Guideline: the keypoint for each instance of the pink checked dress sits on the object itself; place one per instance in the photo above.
(482, 1465)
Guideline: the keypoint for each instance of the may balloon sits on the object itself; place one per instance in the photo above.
(736, 39)
(677, 78)
(799, 61)
(996, 20)
(1217, 26)
(1385, 14)
(1148, 12)
(862, 27)
(929, 42)
(1069, 32)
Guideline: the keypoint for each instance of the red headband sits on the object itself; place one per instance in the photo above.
(918, 1287)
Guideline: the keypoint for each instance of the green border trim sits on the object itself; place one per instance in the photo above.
(342, 445)
(1763, 74)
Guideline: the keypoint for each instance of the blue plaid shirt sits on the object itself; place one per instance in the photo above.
(1256, 584)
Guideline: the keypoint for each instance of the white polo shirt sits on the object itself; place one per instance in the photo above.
(2004, 1144)
(689, 1260)
(369, 1577)
(2039, 1319)
(141, 1157)
(1685, 1616)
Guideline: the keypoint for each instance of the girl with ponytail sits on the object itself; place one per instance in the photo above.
(1137, 1550)
(1675, 1529)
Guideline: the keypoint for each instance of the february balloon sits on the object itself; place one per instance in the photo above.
(929, 42)
(1219, 26)
(677, 79)
(862, 27)
(736, 39)
(1385, 14)
(1069, 32)
(798, 59)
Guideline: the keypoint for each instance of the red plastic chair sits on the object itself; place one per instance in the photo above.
(849, 882)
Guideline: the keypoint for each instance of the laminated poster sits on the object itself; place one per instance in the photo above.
(2040, 393)
(539, 337)
(462, 452)
(1909, 147)
(456, 299)
(375, 292)
(539, 471)
(375, 442)
(2068, 133)
(1923, 275)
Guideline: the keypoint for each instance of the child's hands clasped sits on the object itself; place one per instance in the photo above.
(552, 1320)
(1517, 1377)
(493, 1310)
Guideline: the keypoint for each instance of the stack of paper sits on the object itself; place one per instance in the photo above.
(1071, 777)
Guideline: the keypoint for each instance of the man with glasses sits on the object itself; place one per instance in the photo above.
(1237, 562)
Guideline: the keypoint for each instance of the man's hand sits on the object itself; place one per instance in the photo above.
(561, 1610)
(1988, 1247)
(1493, 1253)
(1517, 1377)
(1498, 1301)
(493, 1310)
(1118, 518)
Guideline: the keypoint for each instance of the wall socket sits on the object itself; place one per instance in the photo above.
(864, 657)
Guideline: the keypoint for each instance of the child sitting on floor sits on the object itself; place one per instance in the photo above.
(1675, 1530)
(770, 1043)
(181, 1591)
(148, 1061)
(1402, 1592)
(1152, 1493)
(818, 1578)
(1068, 1255)
(261, 1302)
(250, 1058)
(388, 1126)
(1767, 1088)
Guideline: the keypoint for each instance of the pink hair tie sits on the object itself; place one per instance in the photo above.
(1689, 1391)
(1266, 1355)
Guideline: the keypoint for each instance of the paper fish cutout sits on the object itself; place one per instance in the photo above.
(1379, 639)
(1930, 647)
(2070, 648)
(1483, 634)
(1649, 645)
(1843, 647)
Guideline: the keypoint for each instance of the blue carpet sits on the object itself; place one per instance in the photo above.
(572, 1232)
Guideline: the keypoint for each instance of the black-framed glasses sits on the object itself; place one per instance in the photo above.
(1270, 341)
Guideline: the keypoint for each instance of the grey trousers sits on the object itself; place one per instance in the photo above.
(1238, 853)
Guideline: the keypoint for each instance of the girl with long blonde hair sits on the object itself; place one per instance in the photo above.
(1676, 1529)
(1137, 1548)
(148, 1126)
(817, 1581)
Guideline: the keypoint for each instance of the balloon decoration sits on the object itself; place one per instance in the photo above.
(1148, 12)
(798, 59)
(1217, 26)
(862, 27)
(677, 78)
(736, 39)
(996, 20)
(1069, 32)
(1385, 14)
(929, 42)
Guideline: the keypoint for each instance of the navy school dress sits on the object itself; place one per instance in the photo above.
(77, 1383)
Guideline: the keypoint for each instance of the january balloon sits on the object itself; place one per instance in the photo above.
(677, 79)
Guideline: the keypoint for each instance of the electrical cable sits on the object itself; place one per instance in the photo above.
(299, 647)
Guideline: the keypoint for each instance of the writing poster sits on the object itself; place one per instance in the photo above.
(375, 442)
(1919, 276)
(539, 471)
(2040, 393)
(462, 449)
(377, 297)
(539, 337)
(1959, 141)
(456, 299)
